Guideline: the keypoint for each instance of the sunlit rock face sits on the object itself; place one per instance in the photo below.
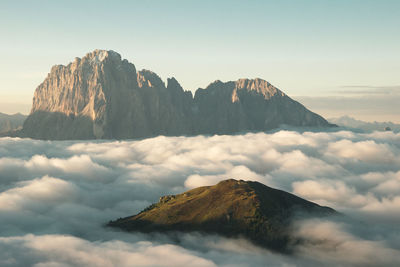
(248, 105)
(94, 93)
(103, 96)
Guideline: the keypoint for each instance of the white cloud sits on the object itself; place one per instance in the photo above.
(46, 190)
(331, 242)
(67, 190)
(368, 151)
(60, 250)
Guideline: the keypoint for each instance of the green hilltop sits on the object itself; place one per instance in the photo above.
(231, 208)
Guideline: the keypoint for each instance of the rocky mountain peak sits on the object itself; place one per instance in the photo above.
(173, 84)
(258, 86)
(147, 78)
(93, 58)
(102, 96)
(98, 56)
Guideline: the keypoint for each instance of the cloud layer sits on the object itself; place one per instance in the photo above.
(55, 197)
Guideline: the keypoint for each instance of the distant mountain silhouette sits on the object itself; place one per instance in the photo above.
(352, 123)
(103, 96)
(10, 123)
(231, 208)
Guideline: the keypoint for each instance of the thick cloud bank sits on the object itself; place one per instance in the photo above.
(55, 198)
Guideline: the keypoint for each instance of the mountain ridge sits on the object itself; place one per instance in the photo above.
(11, 122)
(354, 124)
(102, 96)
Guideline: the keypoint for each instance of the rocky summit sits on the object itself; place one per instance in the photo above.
(102, 96)
(231, 208)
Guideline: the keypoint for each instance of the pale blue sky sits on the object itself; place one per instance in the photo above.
(306, 48)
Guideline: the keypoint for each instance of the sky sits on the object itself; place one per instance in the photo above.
(337, 57)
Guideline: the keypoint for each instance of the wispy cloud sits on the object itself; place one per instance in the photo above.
(370, 103)
(369, 90)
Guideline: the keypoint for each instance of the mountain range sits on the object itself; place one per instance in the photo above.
(231, 208)
(102, 96)
(352, 123)
(12, 122)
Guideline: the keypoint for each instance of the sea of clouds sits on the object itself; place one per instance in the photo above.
(56, 196)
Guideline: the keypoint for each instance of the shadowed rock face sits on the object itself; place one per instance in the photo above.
(231, 208)
(105, 93)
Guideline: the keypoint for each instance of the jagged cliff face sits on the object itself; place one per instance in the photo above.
(102, 96)
(85, 92)
(248, 105)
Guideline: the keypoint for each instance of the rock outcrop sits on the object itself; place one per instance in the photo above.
(102, 96)
(231, 208)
